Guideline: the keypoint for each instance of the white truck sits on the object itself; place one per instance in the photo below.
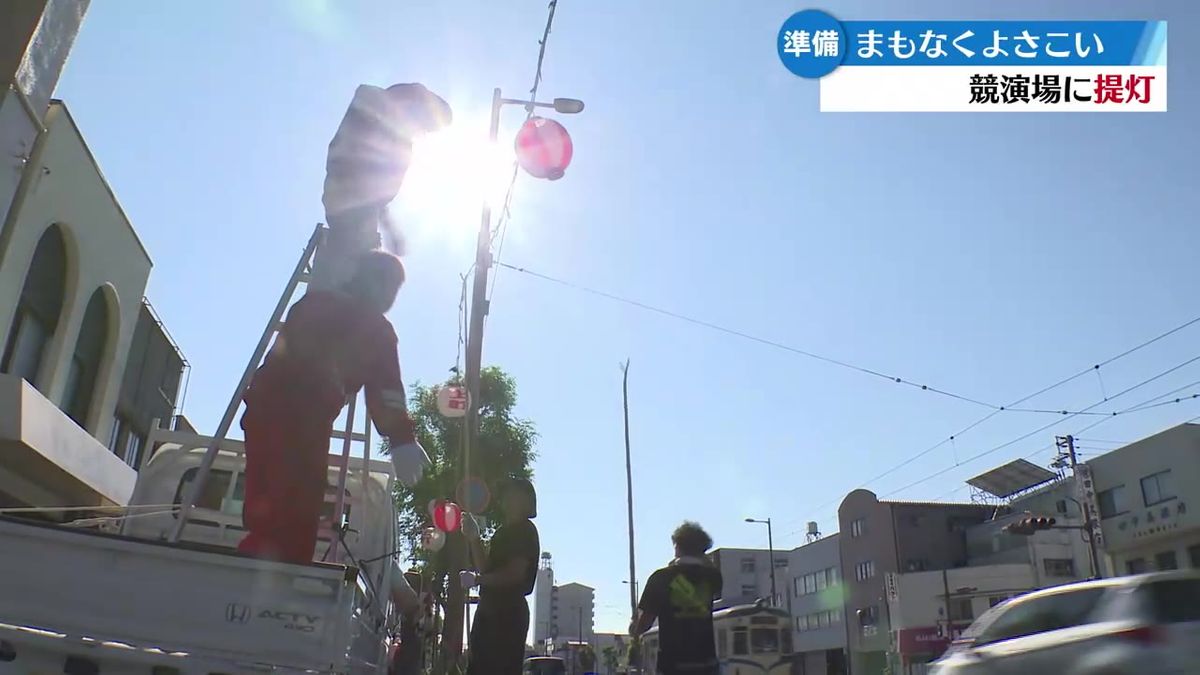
(95, 602)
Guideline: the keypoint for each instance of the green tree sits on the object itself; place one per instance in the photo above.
(587, 658)
(504, 450)
(611, 659)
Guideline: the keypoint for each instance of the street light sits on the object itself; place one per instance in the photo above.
(770, 553)
(483, 262)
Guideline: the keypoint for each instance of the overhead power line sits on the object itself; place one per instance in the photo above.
(1144, 405)
(501, 229)
(1044, 428)
(995, 409)
(747, 336)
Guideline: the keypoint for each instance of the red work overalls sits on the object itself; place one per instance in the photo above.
(329, 347)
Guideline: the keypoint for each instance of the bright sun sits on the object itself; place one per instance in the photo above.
(452, 172)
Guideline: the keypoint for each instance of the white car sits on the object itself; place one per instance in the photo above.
(1147, 624)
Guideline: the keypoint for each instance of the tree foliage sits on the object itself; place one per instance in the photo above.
(504, 450)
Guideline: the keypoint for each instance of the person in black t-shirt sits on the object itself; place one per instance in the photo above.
(508, 570)
(680, 596)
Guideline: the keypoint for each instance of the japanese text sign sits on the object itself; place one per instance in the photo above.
(968, 66)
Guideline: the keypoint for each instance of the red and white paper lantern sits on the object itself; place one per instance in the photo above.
(452, 400)
(447, 516)
(544, 148)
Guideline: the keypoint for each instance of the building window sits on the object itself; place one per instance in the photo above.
(916, 565)
(1156, 488)
(1059, 567)
(1112, 501)
(960, 609)
(781, 563)
(1166, 561)
(749, 590)
(748, 565)
(85, 363)
(833, 576)
(1061, 506)
(131, 454)
(114, 436)
(868, 616)
(1194, 555)
(864, 570)
(38, 308)
(858, 527)
(1135, 566)
(741, 642)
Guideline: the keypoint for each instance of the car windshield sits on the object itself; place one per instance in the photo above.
(981, 624)
(1175, 600)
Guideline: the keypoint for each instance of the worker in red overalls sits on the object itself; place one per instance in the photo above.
(333, 343)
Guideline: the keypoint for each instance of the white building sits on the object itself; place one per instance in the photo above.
(747, 575)
(926, 609)
(563, 613)
(543, 594)
(1148, 494)
(815, 601)
(572, 612)
(77, 338)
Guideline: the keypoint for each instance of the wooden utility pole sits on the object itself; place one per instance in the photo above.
(629, 491)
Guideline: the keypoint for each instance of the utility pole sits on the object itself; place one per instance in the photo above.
(629, 491)
(1067, 443)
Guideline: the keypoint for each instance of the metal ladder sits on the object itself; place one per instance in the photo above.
(301, 275)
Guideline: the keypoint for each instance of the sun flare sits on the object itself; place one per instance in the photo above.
(453, 172)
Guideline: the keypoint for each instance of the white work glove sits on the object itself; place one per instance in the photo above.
(468, 579)
(470, 527)
(409, 461)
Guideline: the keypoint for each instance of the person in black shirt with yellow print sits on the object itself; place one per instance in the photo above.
(507, 572)
(680, 596)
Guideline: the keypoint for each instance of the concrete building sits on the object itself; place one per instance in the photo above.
(1148, 496)
(543, 591)
(928, 609)
(815, 601)
(36, 37)
(573, 612)
(1057, 556)
(881, 537)
(72, 277)
(563, 613)
(747, 575)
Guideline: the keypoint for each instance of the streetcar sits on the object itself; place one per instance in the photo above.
(751, 640)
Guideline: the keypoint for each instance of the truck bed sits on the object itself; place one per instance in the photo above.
(168, 603)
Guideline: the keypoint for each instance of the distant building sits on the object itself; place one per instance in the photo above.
(1148, 497)
(889, 537)
(815, 591)
(928, 609)
(561, 613)
(573, 612)
(543, 604)
(747, 575)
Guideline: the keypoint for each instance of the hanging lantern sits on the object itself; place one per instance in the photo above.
(544, 148)
(433, 539)
(447, 517)
(452, 401)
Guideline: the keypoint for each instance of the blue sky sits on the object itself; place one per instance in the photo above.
(989, 255)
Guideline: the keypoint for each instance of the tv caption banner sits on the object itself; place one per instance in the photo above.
(979, 66)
